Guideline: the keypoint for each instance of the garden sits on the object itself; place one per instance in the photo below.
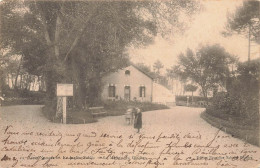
(113, 108)
(237, 110)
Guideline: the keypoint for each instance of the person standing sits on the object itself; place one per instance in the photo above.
(1, 100)
(138, 120)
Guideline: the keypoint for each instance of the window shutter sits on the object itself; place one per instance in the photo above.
(114, 91)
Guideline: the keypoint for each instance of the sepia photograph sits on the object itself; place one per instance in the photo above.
(129, 83)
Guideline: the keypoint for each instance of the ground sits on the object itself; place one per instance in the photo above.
(171, 122)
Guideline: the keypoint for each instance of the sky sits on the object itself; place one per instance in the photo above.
(205, 29)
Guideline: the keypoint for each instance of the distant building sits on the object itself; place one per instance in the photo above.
(131, 83)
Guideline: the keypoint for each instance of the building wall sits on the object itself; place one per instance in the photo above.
(134, 80)
(162, 95)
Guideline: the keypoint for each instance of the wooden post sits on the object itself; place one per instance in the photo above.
(259, 108)
(64, 105)
(258, 101)
(64, 90)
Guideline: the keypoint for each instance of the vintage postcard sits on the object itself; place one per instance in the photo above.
(129, 84)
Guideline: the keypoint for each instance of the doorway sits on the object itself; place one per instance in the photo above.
(127, 93)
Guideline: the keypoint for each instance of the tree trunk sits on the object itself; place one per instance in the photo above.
(8, 80)
(82, 90)
(50, 85)
(79, 78)
(39, 82)
(12, 80)
(2, 82)
(192, 97)
(21, 81)
(17, 73)
(205, 95)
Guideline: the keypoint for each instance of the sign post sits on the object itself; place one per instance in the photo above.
(64, 107)
(64, 90)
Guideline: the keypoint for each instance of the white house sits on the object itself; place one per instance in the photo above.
(129, 83)
(162, 95)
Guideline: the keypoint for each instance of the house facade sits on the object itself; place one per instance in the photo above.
(162, 95)
(129, 83)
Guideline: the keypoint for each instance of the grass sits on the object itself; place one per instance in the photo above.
(74, 116)
(116, 108)
(231, 126)
(113, 108)
(80, 117)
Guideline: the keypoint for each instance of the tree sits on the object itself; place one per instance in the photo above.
(77, 42)
(166, 15)
(72, 41)
(157, 66)
(10, 65)
(242, 96)
(190, 88)
(246, 18)
(246, 21)
(208, 68)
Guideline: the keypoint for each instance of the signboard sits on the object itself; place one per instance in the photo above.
(64, 89)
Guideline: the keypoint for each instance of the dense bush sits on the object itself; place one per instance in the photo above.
(22, 97)
(22, 93)
(241, 102)
(22, 101)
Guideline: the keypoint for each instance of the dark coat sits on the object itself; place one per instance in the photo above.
(138, 120)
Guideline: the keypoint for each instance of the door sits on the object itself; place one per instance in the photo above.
(127, 93)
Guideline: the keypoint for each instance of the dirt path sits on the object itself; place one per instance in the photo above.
(179, 120)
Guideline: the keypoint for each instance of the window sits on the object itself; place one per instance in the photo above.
(127, 72)
(142, 91)
(111, 91)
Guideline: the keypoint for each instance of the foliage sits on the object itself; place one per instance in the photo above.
(190, 88)
(22, 93)
(246, 16)
(167, 15)
(72, 41)
(157, 66)
(171, 73)
(235, 127)
(21, 97)
(208, 68)
(146, 69)
(242, 97)
(77, 42)
(161, 79)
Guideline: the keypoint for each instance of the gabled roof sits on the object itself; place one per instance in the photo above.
(131, 64)
(141, 71)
